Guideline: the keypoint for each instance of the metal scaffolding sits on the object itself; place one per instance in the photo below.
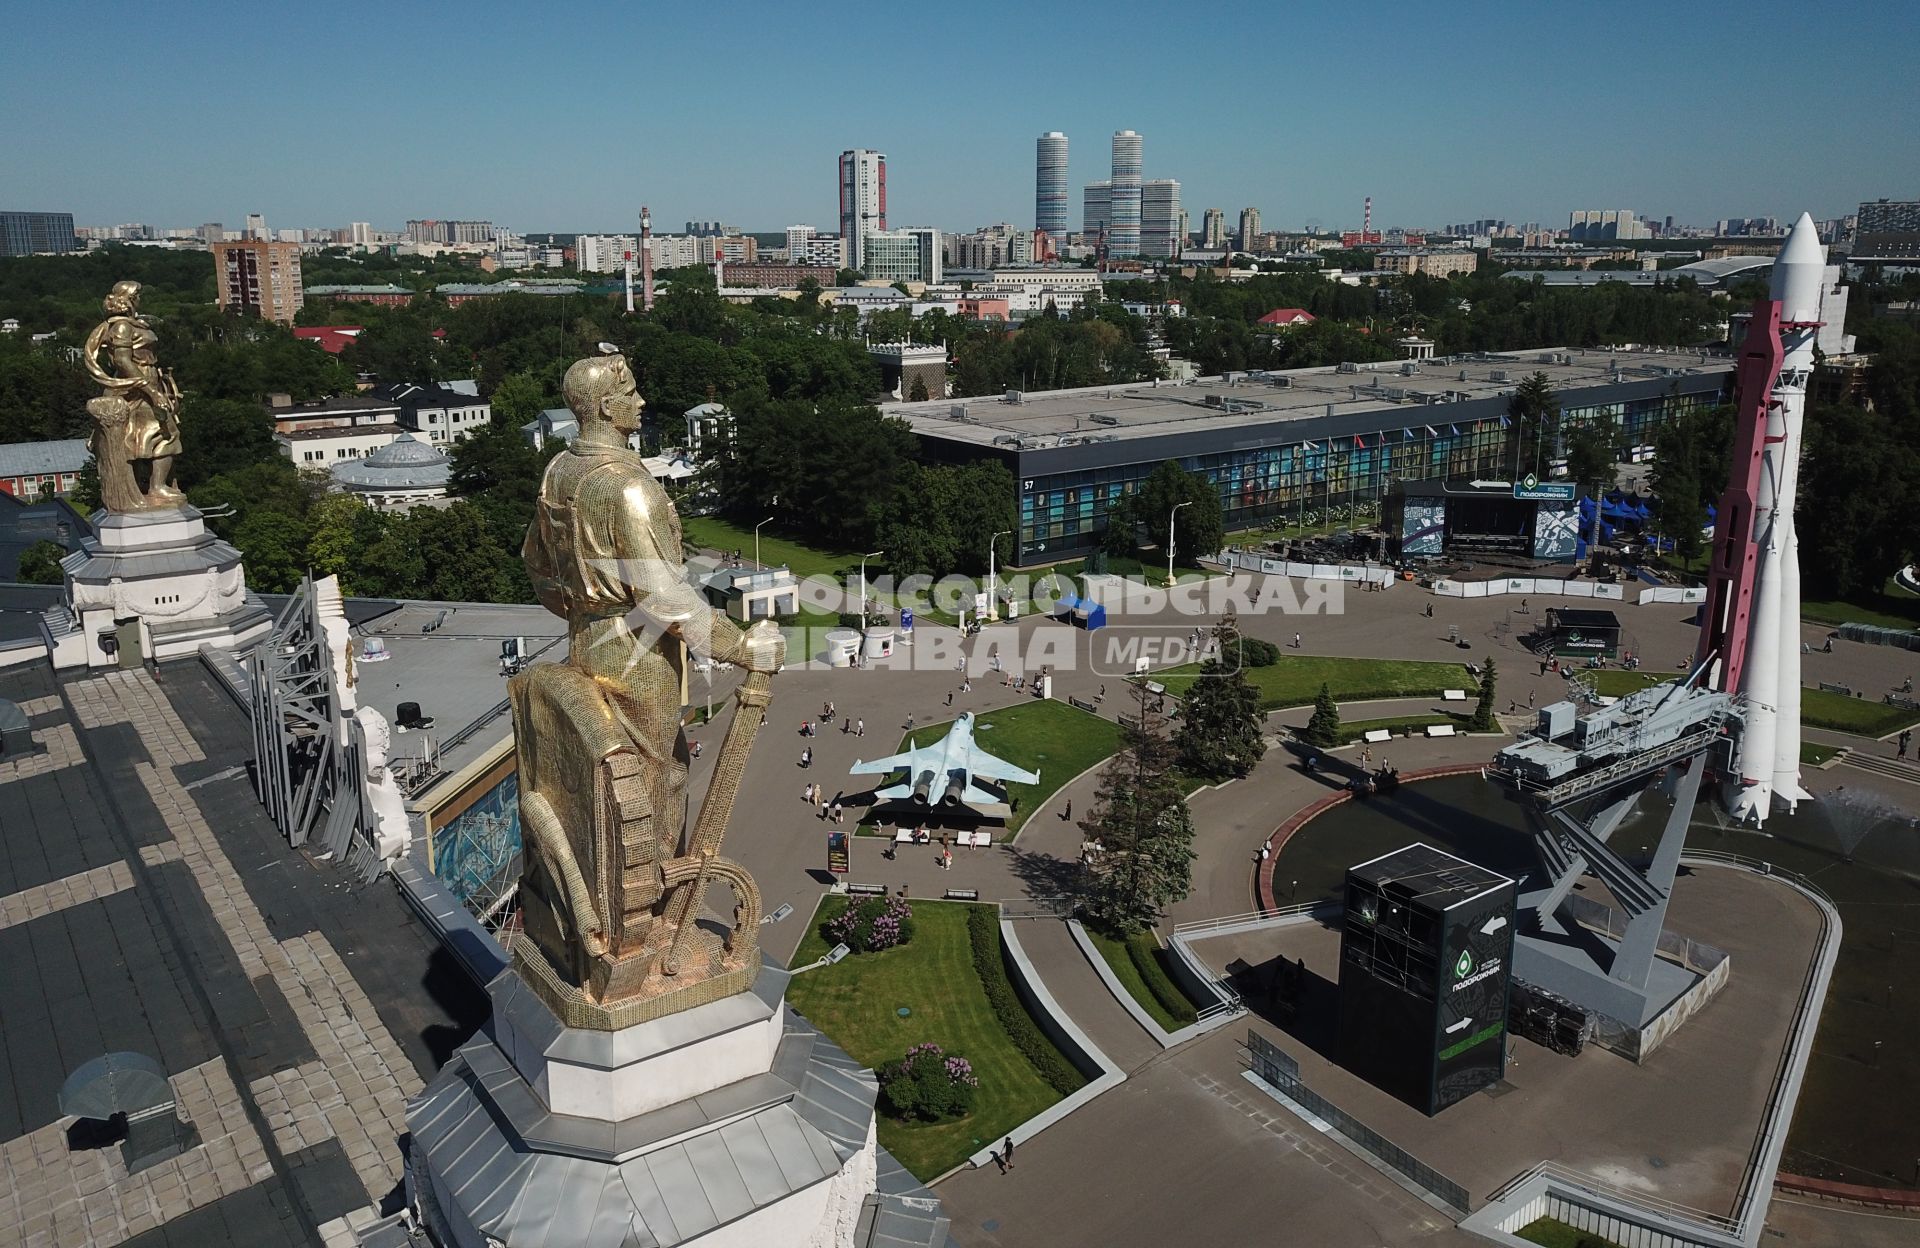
(309, 755)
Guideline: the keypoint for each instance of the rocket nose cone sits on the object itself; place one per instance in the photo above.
(1797, 272)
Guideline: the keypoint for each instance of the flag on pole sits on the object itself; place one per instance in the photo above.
(1432, 432)
(1455, 429)
(1359, 443)
(1505, 423)
(1407, 433)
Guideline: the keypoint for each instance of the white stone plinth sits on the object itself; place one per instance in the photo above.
(178, 586)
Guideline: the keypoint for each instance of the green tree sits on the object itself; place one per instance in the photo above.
(1199, 526)
(1220, 733)
(519, 398)
(336, 536)
(1323, 728)
(40, 563)
(1141, 820)
(274, 544)
(222, 436)
(1483, 716)
(1534, 415)
(918, 393)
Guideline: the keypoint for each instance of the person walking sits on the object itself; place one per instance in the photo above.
(1296, 641)
(909, 723)
(846, 727)
(859, 727)
(1067, 814)
(1006, 1150)
(949, 697)
(1906, 739)
(806, 757)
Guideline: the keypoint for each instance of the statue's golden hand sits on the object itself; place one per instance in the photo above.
(762, 648)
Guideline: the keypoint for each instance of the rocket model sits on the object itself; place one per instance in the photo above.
(1767, 675)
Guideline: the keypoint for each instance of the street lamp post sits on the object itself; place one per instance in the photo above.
(993, 583)
(756, 541)
(872, 554)
(1170, 516)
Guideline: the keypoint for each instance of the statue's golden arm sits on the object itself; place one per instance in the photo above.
(541, 826)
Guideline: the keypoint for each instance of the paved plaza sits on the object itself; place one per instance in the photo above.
(148, 904)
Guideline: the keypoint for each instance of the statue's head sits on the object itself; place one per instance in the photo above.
(600, 388)
(123, 299)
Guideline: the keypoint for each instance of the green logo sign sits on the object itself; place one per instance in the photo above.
(1532, 482)
(1464, 966)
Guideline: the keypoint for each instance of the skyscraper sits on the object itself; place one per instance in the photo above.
(1123, 226)
(1160, 218)
(1096, 208)
(259, 277)
(1249, 228)
(1050, 185)
(256, 226)
(863, 201)
(26, 233)
(1213, 229)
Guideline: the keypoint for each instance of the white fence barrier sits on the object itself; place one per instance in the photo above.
(1529, 585)
(1366, 573)
(1673, 593)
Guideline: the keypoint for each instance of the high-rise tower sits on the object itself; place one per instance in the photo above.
(1161, 233)
(1123, 229)
(1050, 185)
(863, 201)
(1213, 229)
(1096, 209)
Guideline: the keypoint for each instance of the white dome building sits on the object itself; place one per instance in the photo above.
(400, 474)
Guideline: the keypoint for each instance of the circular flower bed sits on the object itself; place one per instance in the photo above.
(873, 924)
(929, 1085)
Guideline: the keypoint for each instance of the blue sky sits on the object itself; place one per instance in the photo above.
(568, 117)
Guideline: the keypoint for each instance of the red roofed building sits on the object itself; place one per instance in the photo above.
(1287, 318)
(333, 339)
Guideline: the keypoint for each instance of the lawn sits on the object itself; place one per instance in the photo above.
(1552, 1233)
(1398, 725)
(1130, 567)
(1051, 737)
(715, 533)
(1296, 679)
(1892, 607)
(1139, 963)
(1819, 708)
(1814, 755)
(856, 1002)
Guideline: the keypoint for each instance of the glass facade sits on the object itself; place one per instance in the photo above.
(1063, 514)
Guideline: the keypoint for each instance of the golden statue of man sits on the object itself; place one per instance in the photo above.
(610, 894)
(137, 416)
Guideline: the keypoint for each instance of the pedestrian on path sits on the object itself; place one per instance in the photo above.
(909, 723)
(806, 757)
(859, 727)
(1906, 739)
(846, 727)
(949, 697)
(1006, 1150)
(1067, 814)
(1296, 641)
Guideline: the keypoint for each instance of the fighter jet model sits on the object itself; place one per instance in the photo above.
(944, 773)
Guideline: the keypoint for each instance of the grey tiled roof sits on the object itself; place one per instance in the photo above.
(22, 459)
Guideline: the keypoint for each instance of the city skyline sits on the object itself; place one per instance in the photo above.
(1494, 142)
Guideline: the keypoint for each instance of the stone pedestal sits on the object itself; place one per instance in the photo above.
(730, 1123)
(151, 585)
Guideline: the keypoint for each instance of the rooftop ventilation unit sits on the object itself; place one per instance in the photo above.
(1280, 380)
(957, 412)
(1347, 366)
(1547, 357)
(1409, 368)
(1104, 418)
(1498, 374)
(1013, 396)
(1463, 375)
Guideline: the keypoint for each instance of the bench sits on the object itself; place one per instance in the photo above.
(1842, 690)
(1376, 735)
(978, 839)
(963, 894)
(1453, 695)
(903, 837)
(1439, 730)
(1082, 703)
(866, 890)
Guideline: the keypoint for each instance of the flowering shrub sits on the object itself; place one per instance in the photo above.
(873, 924)
(929, 1084)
